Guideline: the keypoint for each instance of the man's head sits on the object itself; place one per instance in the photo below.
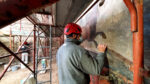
(72, 31)
(25, 43)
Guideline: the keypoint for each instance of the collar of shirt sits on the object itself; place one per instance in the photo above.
(72, 40)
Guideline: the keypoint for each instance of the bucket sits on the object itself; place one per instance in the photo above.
(22, 66)
(43, 63)
(14, 68)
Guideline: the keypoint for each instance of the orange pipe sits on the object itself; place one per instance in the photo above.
(10, 35)
(104, 82)
(13, 45)
(133, 14)
(138, 50)
(20, 25)
(137, 38)
(94, 79)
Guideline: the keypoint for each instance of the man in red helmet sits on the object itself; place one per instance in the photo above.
(24, 56)
(74, 62)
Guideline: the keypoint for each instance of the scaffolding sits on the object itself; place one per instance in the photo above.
(39, 28)
(36, 57)
(45, 56)
(46, 49)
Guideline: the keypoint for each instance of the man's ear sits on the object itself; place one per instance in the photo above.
(65, 37)
(74, 36)
(78, 37)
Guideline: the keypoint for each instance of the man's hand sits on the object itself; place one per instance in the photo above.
(101, 48)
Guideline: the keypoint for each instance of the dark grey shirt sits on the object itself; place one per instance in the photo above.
(75, 63)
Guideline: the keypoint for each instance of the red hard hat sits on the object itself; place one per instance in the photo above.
(25, 43)
(72, 28)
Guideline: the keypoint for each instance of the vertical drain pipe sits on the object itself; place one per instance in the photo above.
(137, 29)
(138, 50)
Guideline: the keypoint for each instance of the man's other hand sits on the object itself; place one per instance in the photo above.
(101, 48)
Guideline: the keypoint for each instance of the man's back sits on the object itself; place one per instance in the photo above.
(68, 60)
(75, 63)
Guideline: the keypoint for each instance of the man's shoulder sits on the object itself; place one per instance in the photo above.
(78, 49)
(72, 46)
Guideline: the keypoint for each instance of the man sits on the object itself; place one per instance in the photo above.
(74, 62)
(24, 57)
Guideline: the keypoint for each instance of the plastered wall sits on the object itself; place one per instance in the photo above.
(109, 23)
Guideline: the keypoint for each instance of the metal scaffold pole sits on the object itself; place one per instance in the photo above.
(39, 58)
(34, 52)
(50, 53)
(37, 49)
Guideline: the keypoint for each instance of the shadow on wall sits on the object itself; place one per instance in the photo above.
(91, 34)
(89, 29)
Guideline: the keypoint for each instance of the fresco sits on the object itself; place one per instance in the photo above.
(110, 24)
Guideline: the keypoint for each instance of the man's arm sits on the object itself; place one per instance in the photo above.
(90, 65)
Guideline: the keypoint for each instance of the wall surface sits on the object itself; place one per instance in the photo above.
(146, 32)
(147, 36)
(109, 23)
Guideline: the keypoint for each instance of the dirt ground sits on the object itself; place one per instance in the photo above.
(15, 77)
